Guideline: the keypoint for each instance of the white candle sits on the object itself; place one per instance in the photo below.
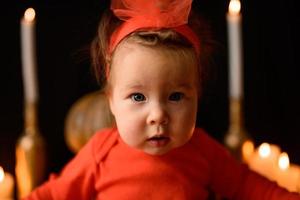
(235, 49)
(6, 185)
(29, 55)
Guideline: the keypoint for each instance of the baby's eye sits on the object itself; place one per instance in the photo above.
(138, 97)
(176, 96)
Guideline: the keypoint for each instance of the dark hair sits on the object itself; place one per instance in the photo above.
(165, 38)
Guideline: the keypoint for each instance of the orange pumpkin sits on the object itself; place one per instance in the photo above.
(88, 114)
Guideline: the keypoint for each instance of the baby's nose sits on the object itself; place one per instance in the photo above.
(158, 115)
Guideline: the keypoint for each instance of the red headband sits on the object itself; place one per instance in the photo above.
(138, 14)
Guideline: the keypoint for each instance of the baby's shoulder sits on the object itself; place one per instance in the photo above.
(104, 133)
(206, 141)
(102, 141)
(202, 135)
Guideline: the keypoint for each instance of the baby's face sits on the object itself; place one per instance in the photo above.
(153, 96)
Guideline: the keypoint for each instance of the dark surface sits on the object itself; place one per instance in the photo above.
(64, 31)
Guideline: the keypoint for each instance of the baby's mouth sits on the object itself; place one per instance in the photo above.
(158, 140)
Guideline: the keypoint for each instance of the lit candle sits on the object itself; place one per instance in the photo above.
(235, 49)
(247, 150)
(264, 160)
(6, 185)
(288, 175)
(28, 55)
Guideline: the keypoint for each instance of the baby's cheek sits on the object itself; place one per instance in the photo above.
(127, 128)
(130, 138)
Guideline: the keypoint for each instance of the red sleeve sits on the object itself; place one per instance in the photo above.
(77, 179)
(235, 181)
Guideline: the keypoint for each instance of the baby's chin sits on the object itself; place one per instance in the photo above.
(153, 151)
(156, 152)
(160, 151)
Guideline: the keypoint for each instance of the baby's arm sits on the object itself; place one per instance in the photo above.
(254, 186)
(76, 181)
(234, 180)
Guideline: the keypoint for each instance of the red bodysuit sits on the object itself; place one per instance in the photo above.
(108, 169)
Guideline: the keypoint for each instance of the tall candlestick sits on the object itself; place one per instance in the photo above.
(30, 148)
(6, 185)
(236, 134)
(29, 55)
(235, 49)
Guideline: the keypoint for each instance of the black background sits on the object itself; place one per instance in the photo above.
(65, 29)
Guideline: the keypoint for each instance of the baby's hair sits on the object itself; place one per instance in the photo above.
(162, 39)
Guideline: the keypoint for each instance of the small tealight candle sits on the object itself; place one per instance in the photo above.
(247, 150)
(264, 150)
(264, 160)
(6, 185)
(283, 161)
(288, 175)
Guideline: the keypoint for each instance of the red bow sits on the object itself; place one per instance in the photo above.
(138, 14)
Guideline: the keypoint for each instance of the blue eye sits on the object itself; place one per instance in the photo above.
(176, 96)
(138, 97)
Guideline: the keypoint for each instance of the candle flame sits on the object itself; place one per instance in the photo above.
(264, 150)
(1, 174)
(248, 148)
(234, 7)
(283, 161)
(29, 14)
